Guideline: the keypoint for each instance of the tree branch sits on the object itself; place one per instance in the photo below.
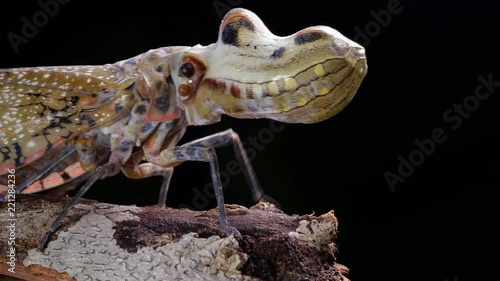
(104, 241)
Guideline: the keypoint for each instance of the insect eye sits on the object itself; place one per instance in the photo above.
(187, 69)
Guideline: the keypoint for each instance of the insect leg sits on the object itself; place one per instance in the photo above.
(122, 150)
(166, 135)
(203, 154)
(100, 172)
(165, 183)
(229, 137)
(145, 170)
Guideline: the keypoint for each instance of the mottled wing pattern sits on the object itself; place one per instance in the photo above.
(43, 107)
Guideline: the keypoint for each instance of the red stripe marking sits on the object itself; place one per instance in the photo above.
(235, 91)
(214, 84)
(249, 91)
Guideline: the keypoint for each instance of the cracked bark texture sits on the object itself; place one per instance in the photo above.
(99, 241)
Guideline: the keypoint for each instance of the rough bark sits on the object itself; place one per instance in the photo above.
(98, 241)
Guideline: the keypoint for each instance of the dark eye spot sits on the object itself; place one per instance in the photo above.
(187, 69)
(230, 32)
(278, 53)
(308, 37)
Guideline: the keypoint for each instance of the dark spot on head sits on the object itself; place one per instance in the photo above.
(278, 53)
(169, 79)
(230, 36)
(141, 109)
(308, 37)
(159, 68)
(230, 32)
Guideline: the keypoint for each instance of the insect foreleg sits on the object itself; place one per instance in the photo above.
(194, 153)
(229, 137)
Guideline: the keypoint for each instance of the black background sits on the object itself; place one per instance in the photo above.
(438, 224)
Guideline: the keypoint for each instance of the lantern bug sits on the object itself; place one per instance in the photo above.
(72, 124)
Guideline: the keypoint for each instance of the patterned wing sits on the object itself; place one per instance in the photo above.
(43, 107)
